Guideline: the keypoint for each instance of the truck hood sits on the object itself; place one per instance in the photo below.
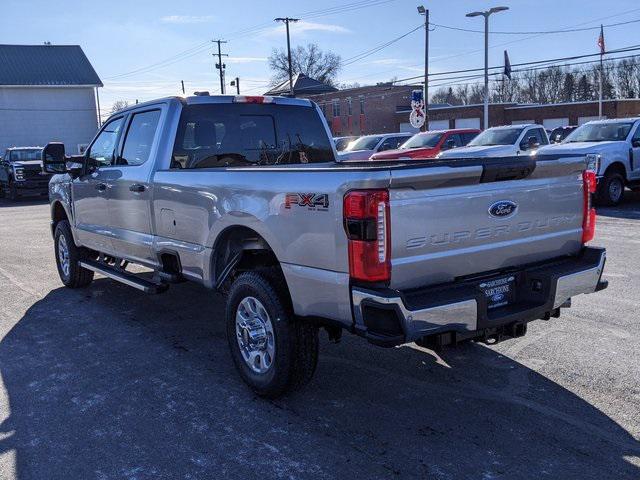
(479, 151)
(355, 155)
(583, 147)
(31, 164)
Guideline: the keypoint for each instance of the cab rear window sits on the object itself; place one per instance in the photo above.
(232, 135)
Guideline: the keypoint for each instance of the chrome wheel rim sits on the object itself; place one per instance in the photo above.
(615, 190)
(63, 255)
(254, 333)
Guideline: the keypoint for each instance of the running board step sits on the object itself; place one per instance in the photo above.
(127, 278)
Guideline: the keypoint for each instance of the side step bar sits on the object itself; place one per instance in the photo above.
(127, 278)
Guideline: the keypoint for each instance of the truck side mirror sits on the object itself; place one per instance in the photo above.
(635, 143)
(53, 158)
(451, 144)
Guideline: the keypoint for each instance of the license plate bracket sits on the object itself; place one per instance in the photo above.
(499, 292)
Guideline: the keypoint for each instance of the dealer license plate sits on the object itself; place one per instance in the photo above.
(499, 292)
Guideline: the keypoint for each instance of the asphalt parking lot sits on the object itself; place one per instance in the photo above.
(109, 383)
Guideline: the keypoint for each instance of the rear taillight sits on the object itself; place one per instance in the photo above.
(589, 213)
(366, 221)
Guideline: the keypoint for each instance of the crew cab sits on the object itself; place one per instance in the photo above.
(367, 145)
(244, 195)
(502, 141)
(429, 144)
(614, 148)
(21, 173)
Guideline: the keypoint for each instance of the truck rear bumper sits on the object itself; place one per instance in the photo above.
(391, 317)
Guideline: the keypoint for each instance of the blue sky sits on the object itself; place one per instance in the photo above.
(127, 41)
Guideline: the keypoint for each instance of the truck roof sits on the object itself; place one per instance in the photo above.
(615, 120)
(206, 99)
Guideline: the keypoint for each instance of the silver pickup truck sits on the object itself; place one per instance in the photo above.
(244, 194)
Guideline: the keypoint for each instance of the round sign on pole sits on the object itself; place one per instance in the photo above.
(416, 120)
(417, 116)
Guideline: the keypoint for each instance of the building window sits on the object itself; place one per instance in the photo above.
(336, 108)
(349, 107)
(361, 104)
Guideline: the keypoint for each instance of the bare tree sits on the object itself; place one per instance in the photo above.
(627, 74)
(119, 105)
(309, 60)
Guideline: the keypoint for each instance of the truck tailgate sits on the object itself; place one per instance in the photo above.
(442, 227)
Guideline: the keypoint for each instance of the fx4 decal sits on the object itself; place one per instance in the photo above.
(312, 201)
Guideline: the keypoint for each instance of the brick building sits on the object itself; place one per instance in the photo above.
(364, 110)
(549, 115)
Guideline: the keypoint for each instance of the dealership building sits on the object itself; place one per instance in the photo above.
(47, 93)
(385, 108)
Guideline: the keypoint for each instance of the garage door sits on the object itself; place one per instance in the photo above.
(468, 122)
(551, 123)
(438, 124)
(522, 122)
(582, 120)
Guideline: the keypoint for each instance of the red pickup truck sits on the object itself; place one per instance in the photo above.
(429, 144)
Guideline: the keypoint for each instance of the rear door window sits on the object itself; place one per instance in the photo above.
(232, 135)
(139, 139)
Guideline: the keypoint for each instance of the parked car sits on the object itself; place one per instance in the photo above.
(613, 147)
(343, 142)
(21, 173)
(429, 144)
(503, 141)
(558, 134)
(364, 147)
(200, 189)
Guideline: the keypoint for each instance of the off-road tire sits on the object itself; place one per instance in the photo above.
(604, 195)
(78, 276)
(296, 352)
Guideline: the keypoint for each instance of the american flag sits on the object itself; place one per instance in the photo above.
(601, 40)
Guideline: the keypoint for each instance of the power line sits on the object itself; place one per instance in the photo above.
(367, 53)
(543, 32)
(537, 62)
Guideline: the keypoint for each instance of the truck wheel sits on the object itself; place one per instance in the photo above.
(12, 191)
(67, 257)
(273, 351)
(611, 189)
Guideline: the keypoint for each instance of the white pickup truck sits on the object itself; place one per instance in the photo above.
(613, 146)
(505, 141)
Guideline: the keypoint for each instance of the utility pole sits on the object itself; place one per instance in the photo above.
(486, 14)
(182, 83)
(98, 102)
(286, 21)
(425, 12)
(236, 83)
(221, 66)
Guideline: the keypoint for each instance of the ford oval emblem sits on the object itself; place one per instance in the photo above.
(503, 208)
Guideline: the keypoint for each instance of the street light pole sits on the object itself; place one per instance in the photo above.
(286, 21)
(486, 14)
(425, 12)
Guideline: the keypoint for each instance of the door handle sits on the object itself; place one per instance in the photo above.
(101, 187)
(138, 188)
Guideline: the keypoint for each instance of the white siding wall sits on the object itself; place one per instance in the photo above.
(467, 123)
(34, 116)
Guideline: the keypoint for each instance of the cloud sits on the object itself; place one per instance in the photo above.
(302, 27)
(185, 19)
